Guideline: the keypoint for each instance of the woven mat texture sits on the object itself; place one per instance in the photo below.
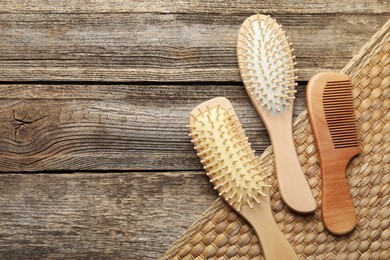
(221, 234)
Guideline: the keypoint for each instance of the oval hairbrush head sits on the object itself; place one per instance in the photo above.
(267, 70)
(235, 171)
(266, 63)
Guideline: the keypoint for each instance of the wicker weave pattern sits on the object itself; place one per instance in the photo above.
(222, 234)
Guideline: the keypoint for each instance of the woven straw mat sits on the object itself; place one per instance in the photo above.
(221, 234)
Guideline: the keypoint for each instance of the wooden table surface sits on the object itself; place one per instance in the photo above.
(95, 159)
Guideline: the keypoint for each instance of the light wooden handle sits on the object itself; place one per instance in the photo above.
(293, 185)
(273, 242)
(338, 213)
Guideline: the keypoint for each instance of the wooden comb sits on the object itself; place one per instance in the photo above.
(332, 118)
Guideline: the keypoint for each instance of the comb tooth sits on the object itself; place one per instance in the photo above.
(342, 122)
(344, 104)
(345, 127)
(345, 94)
(346, 144)
(336, 88)
(340, 133)
(328, 97)
(338, 143)
(339, 90)
(347, 116)
(336, 129)
(338, 146)
(345, 124)
(337, 138)
(336, 107)
(344, 139)
(338, 83)
(344, 131)
(331, 88)
(331, 114)
(339, 103)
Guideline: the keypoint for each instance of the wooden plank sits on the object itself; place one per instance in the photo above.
(187, 6)
(111, 127)
(101, 216)
(133, 47)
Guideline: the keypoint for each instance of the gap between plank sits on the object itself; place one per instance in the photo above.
(156, 83)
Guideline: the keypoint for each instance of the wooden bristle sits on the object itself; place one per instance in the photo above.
(340, 114)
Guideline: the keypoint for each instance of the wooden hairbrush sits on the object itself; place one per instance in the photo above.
(332, 118)
(235, 172)
(267, 70)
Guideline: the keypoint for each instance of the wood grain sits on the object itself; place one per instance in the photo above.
(111, 127)
(98, 125)
(188, 6)
(132, 47)
(101, 216)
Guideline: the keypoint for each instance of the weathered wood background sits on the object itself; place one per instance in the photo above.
(94, 98)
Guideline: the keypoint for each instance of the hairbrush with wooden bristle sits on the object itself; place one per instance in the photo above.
(235, 171)
(267, 70)
(332, 118)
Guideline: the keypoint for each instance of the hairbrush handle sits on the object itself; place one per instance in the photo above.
(293, 185)
(236, 172)
(338, 213)
(273, 242)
